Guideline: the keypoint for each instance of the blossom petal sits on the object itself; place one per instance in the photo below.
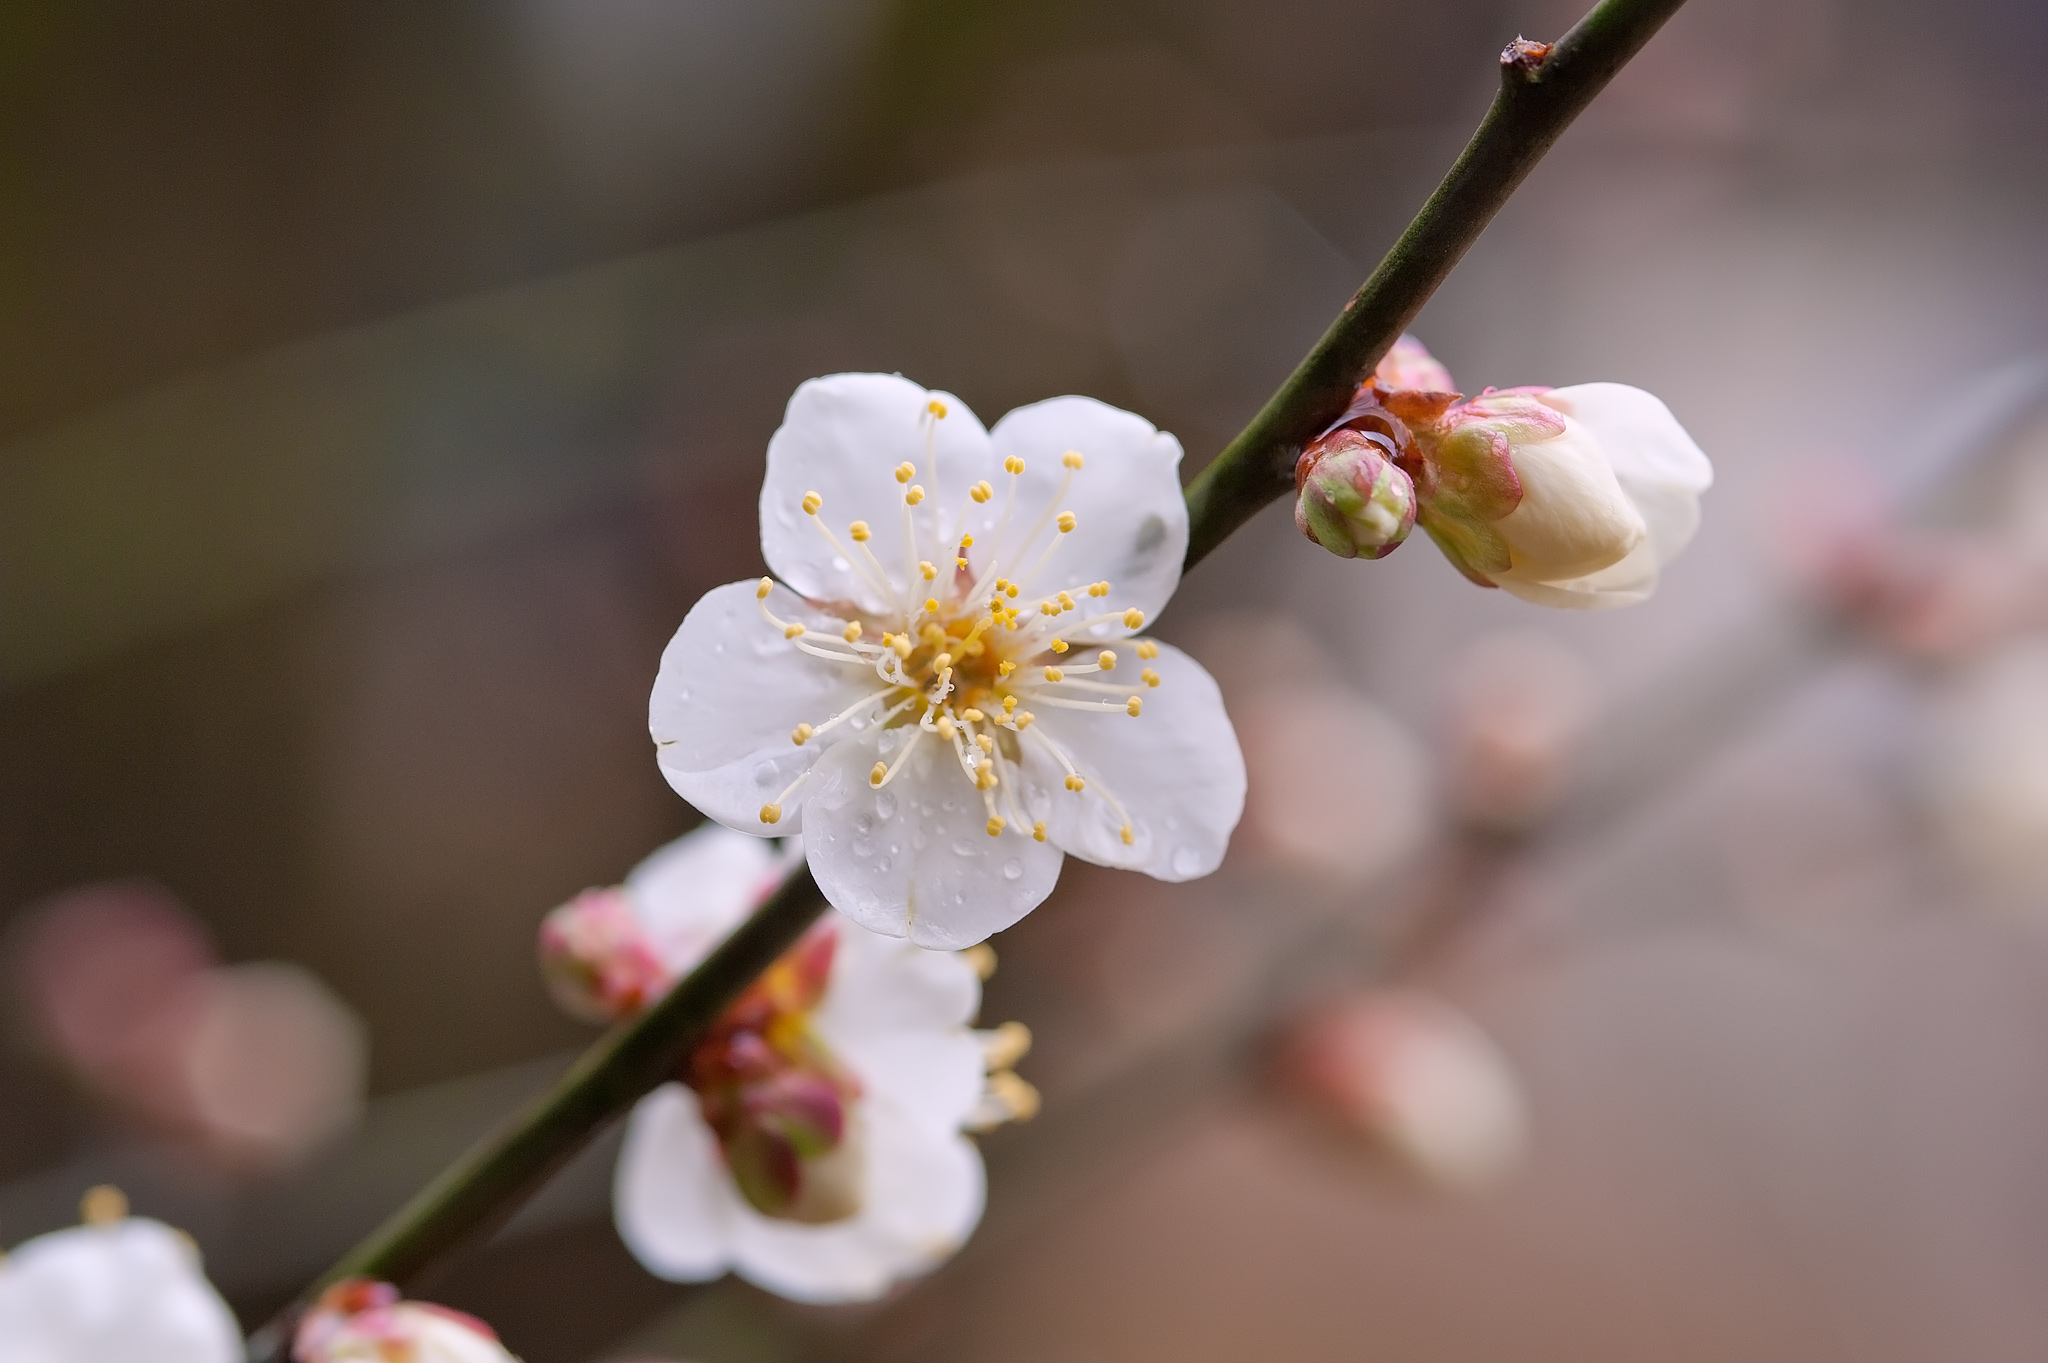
(897, 1015)
(1574, 517)
(1176, 769)
(671, 1195)
(691, 893)
(129, 1290)
(1131, 520)
(842, 437)
(1642, 439)
(914, 858)
(924, 1196)
(729, 692)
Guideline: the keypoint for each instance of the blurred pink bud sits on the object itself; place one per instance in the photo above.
(366, 1322)
(1416, 1078)
(1520, 705)
(1988, 777)
(1409, 366)
(1350, 497)
(599, 961)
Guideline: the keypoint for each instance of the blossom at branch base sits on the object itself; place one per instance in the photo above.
(1419, 1080)
(359, 1321)
(944, 691)
(119, 1289)
(1574, 497)
(813, 1141)
(1351, 498)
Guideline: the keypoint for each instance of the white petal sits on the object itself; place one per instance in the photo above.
(1642, 439)
(439, 1338)
(897, 1015)
(730, 690)
(1574, 517)
(914, 859)
(674, 1202)
(130, 1292)
(1131, 520)
(842, 437)
(924, 1195)
(691, 893)
(1176, 769)
(1626, 583)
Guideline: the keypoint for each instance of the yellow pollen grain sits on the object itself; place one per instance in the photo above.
(1148, 650)
(1059, 645)
(905, 471)
(801, 734)
(967, 541)
(985, 743)
(1098, 589)
(995, 826)
(1009, 702)
(1011, 591)
(903, 646)
(767, 586)
(947, 728)
(1106, 661)
(1076, 783)
(1149, 677)
(931, 605)
(770, 812)
(1132, 706)
(926, 570)
(1053, 674)
(1024, 718)
(1127, 835)
(852, 631)
(792, 630)
(1066, 601)
(812, 501)
(972, 715)
(985, 778)
(914, 496)
(878, 773)
(1134, 618)
(961, 564)
(942, 662)
(1013, 465)
(936, 408)
(1038, 831)
(981, 492)
(1072, 459)
(1065, 521)
(859, 531)
(1005, 668)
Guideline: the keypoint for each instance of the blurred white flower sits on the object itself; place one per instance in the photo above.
(814, 1142)
(929, 698)
(1418, 1079)
(118, 1289)
(1519, 708)
(1988, 776)
(367, 1322)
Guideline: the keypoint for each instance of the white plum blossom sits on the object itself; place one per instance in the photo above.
(813, 1142)
(118, 1289)
(942, 692)
(366, 1322)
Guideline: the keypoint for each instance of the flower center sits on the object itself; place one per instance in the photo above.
(963, 653)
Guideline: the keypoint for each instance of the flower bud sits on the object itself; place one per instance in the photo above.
(1409, 367)
(598, 960)
(365, 1322)
(1351, 498)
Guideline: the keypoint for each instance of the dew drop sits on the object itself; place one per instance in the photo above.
(863, 847)
(864, 824)
(1013, 869)
(963, 849)
(885, 806)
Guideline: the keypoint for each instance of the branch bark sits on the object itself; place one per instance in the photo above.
(1543, 88)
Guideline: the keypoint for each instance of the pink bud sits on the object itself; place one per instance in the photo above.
(1350, 496)
(1409, 366)
(599, 962)
(365, 1322)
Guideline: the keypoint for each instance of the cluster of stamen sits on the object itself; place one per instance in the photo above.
(960, 661)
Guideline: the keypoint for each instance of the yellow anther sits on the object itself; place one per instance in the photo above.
(1004, 669)
(903, 645)
(932, 634)
(1024, 718)
(103, 1205)
(995, 826)
(878, 773)
(1011, 591)
(1132, 706)
(1149, 677)
(947, 728)
(1148, 650)
(914, 496)
(967, 541)
(985, 743)
(1072, 459)
(931, 605)
(942, 662)
(1053, 674)
(1098, 589)
(936, 408)
(1106, 660)
(1038, 831)
(1076, 783)
(852, 631)
(1134, 618)
(1005, 1046)
(1013, 465)
(1127, 835)
(985, 778)
(1059, 645)
(1065, 521)
(980, 958)
(1009, 702)
(801, 734)
(812, 501)
(961, 564)
(927, 570)
(981, 492)
(859, 531)
(1048, 608)
(792, 630)
(972, 715)
(770, 813)
(1066, 601)
(905, 471)
(767, 586)
(1016, 1095)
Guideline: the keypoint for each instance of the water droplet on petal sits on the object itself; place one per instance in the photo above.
(963, 849)
(885, 805)
(1012, 869)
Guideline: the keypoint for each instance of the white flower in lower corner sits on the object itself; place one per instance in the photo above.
(814, 1141)
(943, 693)
(118, 1289)
(366, 1322)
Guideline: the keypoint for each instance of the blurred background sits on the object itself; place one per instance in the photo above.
(380, 384)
